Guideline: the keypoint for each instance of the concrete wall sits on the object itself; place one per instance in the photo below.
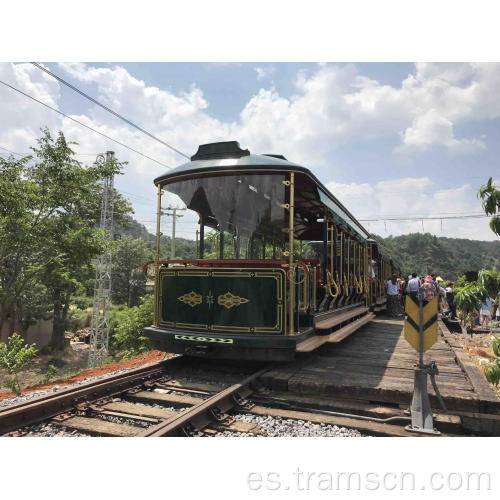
(39, 333)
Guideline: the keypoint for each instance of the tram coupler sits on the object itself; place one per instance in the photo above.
(421, 412)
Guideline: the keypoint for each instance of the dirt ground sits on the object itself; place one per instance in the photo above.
(72, 366)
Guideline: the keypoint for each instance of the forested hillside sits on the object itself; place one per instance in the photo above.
(447, 257)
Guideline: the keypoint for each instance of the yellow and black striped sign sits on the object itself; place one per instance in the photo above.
(430, 329)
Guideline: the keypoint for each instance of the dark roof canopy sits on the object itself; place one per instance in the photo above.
(225, 157)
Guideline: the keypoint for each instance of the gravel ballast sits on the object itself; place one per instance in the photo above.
(36, 394)
(287, 427)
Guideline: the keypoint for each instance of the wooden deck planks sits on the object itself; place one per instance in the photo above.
(377, 364)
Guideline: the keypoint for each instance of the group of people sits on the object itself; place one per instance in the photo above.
(399, 287)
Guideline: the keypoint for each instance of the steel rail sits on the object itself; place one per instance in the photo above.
(205, 412)
(50, 405)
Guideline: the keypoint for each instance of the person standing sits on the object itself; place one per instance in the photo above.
(485, 312)
(393, 305)
(429, 288)
(450, 299)
(413, 286)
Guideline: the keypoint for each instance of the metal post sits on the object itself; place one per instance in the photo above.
(197, 244)
(221, 244)
(421, 411)
(157, 256)
(99, 328)
(331, 249)
(174, 216)
(325, 247)
(202, 238)
(290, 257)
(172, 241)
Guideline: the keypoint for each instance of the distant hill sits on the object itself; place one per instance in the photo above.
(135, 229)
(447, 257)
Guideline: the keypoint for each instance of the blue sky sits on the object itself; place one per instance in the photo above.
(387, 138)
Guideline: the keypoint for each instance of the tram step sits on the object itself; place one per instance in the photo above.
(314, 342)
(329, 323)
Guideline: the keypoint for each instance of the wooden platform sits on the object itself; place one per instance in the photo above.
(376, 365)
(314, 342)
(329, 323)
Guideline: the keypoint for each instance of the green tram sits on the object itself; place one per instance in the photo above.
(291, 267)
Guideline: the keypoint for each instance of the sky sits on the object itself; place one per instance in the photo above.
(388, 139)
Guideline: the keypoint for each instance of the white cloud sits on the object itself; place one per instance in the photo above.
(414, 197)
(336, 105)
(333, 105)
(264, 72)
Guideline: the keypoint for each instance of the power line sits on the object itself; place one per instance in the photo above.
(12, 152)
(439, 217)
(28, 154)
(83, 124)
(108, 109)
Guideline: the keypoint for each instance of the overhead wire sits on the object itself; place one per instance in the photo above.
(83, 124)
(438, 217)
(109, 110)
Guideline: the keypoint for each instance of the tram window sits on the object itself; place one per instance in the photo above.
(248, 209)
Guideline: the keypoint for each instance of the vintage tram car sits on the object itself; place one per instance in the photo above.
(293, 268)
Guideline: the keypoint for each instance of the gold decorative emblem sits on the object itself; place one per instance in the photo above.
(229, 300)
(191, 299)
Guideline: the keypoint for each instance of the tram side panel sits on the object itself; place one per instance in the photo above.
(223, 313)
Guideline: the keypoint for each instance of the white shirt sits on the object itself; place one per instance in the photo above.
(392, 289)
(413, 285)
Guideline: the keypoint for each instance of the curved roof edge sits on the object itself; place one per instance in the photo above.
(248, 162)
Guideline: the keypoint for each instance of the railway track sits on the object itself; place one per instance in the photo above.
(160, 400)
(145, 401)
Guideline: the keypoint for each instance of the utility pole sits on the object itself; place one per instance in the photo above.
(174, 216)
(99, 329)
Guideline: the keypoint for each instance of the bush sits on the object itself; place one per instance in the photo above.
(78, 319)
(15, 357)
(492, 370)
(51, 372)
(82, 301)
(129, 332)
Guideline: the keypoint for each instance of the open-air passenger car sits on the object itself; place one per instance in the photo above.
(293, 268)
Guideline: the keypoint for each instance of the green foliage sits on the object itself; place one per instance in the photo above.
(490, 196)
(129, 282)
(82, 301)
(496, 345)
(117, 316)
(51, 373)
(468, 299)
(48, 233)
(15, 357)
(492, 372)
(489, 279)
(78, 319)
(445, 257)
(129, 336)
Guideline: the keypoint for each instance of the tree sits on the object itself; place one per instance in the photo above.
(129, 282)
(468, 299)
(48, 233)
(490, 196)
(14, 357)
(489, 279)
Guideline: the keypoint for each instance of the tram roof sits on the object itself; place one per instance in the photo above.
(229, 157)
